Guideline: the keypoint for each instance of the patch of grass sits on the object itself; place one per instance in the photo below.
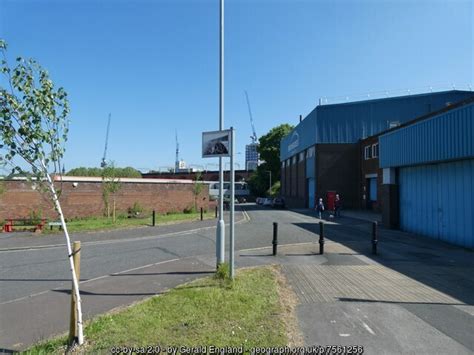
(200, 313)
(104, 223)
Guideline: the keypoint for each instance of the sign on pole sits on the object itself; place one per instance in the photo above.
(216, 144)
(221, 144)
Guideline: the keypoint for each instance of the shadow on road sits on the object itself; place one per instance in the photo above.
(89, 293)
(342, 299)
(441, 266)
(168, 273)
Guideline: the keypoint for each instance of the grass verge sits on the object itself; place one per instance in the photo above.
(248, 312)
(104, 223)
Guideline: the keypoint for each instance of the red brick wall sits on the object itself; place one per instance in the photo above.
(301, 179)
(293, 177)
(19, 199)
(369, 166)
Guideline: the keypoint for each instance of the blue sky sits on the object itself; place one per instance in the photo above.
(154, 64)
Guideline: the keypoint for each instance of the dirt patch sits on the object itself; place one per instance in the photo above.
(289, 301)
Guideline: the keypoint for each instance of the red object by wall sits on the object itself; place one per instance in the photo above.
(330, 197)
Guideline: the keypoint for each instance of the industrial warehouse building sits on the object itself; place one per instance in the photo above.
(409, 157)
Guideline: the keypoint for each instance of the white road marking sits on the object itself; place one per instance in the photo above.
(105, 242)
(94, 279)
(344, 335)
(368, 328)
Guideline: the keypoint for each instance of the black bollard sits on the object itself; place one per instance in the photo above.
(201, 214)
(153, 218)
(321, 238)
(275, 238)
(216, 211)
(374, 238)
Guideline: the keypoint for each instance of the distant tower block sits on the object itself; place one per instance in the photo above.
(251, 156)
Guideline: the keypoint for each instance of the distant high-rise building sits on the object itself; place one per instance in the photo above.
(251, 156)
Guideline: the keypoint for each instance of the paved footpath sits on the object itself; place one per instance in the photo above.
(415, 297)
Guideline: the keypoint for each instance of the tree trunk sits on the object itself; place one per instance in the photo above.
(80, 335)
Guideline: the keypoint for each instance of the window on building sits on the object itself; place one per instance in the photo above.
(367, 152)
(301, 157)
(310, 152)
(394, 124)
(293, 160)
(375, 150)
(283, 165)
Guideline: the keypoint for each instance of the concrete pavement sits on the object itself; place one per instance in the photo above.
(415, 296)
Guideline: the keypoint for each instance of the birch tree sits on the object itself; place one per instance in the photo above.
(33, 129)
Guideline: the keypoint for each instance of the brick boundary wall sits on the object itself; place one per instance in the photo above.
(85, 198)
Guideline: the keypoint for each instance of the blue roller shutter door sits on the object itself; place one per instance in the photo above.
(437, 201)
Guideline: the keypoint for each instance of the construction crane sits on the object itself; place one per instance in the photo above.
(176, 163)
(253, 137)
(103, 164)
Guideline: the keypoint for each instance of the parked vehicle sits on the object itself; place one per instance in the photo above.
(259, 200)
(278, 202)
(267, 202)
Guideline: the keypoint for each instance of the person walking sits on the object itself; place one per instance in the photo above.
(337, 206)
(320, 208)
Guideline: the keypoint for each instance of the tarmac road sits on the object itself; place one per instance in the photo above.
(415, 297)
(26, 272)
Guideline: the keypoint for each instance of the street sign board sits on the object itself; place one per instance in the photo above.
(216, 144)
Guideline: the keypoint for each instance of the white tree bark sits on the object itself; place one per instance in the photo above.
(80, 334)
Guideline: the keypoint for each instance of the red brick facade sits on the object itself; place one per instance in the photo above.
(85, 199)
(368, 169)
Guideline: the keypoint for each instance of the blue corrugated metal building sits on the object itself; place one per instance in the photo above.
(349, 122)
(432, 164)
(310, 166)
(424, 145)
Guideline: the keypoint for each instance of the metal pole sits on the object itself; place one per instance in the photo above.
(201, 214)
(374, 238)
(275, 238)
(220, 233)
(321, 238)
(232, 203)
(153, 218)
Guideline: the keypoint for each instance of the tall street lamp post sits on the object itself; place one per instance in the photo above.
(220, 232)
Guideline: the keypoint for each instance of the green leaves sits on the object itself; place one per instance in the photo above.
(33, 115)
(269, 149)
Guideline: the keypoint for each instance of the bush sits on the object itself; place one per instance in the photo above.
(188, 210)
(36, 216)
(223, 276)
(135, 210)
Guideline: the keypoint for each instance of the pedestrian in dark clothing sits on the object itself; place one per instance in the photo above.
(337, 206)
(320, 208)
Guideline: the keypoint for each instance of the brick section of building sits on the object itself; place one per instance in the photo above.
(301, 174)
(337, 169)
(85, 200)
(293, 177)
(368, 168)
(390, 201)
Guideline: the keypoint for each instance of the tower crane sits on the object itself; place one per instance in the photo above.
(176, 163)
(103, 163)
(253, 137)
